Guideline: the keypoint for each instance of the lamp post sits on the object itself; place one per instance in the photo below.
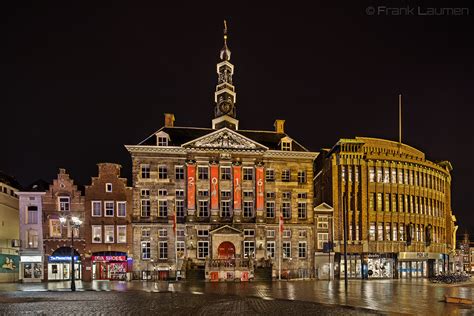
(343, 206)
(74, 222)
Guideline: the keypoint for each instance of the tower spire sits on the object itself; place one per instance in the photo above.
(225, 96)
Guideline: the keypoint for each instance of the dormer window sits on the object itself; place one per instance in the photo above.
(286, 144)
(162, 139)
(108, 187)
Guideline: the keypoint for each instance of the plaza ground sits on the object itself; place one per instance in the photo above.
(391, 297)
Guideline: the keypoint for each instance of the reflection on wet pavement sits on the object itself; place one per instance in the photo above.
(391, 296)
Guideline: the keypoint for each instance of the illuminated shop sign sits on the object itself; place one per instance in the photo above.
(62, 258)
(31, 259)
(109, 258)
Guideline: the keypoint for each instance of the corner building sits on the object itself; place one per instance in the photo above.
(398, 208)
(207, 201)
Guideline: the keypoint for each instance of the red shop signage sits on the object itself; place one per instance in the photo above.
(109, 258)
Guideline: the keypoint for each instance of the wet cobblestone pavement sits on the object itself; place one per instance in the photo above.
(387, 297)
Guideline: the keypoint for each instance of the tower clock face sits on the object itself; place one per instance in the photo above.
(225, 107)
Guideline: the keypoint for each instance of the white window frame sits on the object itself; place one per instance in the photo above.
(245, 177)
(162, 192)
(148, 234)
(145, 244)
(93, 234)
(108, 187)
(105, 208)
(100, 208)
(163, 250)
(201, 174)
(124, 228)
(286, 175)
(162, 233)
(322, 238)
(269, 175)
(227, 175)
(109, 228)
(323, 222)
(56, 220)
(145, 171)
(287, 233)
(286, 244)
(124, 203)
(286, 145)
(161, 141)
(62, 205)
(202, 244)
(270, 233)
(162, 172)
(202, 232)
(163, 205)
(181, 172)
(249, 232)
(247, 244)
(273, 246)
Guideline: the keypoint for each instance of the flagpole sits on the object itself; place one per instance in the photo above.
(280, 254)
(175, 224)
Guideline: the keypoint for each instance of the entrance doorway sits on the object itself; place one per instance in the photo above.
(226, 250)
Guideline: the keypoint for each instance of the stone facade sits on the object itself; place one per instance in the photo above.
(398, 205)
(108, 232)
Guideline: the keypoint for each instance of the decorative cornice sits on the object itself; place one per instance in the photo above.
(290, 154)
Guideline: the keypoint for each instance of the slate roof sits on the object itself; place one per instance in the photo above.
(182, 135)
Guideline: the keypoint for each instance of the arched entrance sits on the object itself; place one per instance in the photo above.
(59, 264)
(226, 250)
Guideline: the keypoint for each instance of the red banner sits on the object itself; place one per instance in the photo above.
(214, 187)
(108, 258)
(259, 189)
(237, 170)
(191, 187)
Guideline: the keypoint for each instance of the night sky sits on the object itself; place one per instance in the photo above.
(80, 82)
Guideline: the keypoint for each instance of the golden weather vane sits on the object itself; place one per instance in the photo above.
(225, 30)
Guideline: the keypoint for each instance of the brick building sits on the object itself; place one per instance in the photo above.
(398, 203)
(208, 200)
(107, 227)
(62, 199)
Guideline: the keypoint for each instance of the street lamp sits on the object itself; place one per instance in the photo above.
(74, 222)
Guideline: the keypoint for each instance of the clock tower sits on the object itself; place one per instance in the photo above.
(225, 96)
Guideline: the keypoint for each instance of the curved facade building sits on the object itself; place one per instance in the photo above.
(398, 203)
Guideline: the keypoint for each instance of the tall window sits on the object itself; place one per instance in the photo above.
(225, 208)
(145, 207)
(270, 208)
(286, 209)
(203, 172)
(179, 172)
(109, 208)
(121, 234)
(32, 238)
(301, 177)
(162, 172)
(249, 249)
(400, 175)
(54, 228)
(285, 175)
(286, 245)
(96, 234)
(386, 175)
(379, 174)
(394, 202)
(32, 216)
(372, 231)
(388, 228)
(301, 210)
(380, 231)
(270, 175)
(179, 208)
(387, 202)
(225, 173)
(302, 249)
(356, 173)
(402, 232)
(109, 233)
(395, 232)
(343, 173)
(64, 203)
(121, 209)
(163, 245)
(163, 208)
(271, 249)
(371, 174)
(203, 249)
(145, 171)
(96, 208)
(394, 175)
(322, 238)
(203, 208)
(379, 202)
(248, 173)
(248, 208)
(108, 187)
(371, 201)
(146, 250)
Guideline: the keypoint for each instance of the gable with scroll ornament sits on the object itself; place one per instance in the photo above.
(225, 139)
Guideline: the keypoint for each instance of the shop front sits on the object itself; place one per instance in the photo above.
(369, 266)
(419, 264)
(59, 265)
(109, 266)
(31, 268)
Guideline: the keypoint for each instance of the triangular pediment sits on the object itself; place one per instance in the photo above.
(225, 138)
(323, 207)
(226, 230)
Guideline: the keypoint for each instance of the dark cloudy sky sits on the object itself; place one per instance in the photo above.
(79, 82)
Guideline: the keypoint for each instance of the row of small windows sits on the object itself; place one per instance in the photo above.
(248, 233)
(108, 235)
(109, 208)
(286, 195)
(225, 174)
(405, 203)
(402, 176)
(401, 232)
(7, 191)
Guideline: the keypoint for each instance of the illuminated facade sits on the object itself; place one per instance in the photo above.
(210, 199)
(398, 204)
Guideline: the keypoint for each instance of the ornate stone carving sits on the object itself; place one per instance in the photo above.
(225, 139)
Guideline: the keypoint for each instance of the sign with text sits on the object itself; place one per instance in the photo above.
(214, 186)
(109, 258)
(237, 170)
(191, 186)
(259, 189)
